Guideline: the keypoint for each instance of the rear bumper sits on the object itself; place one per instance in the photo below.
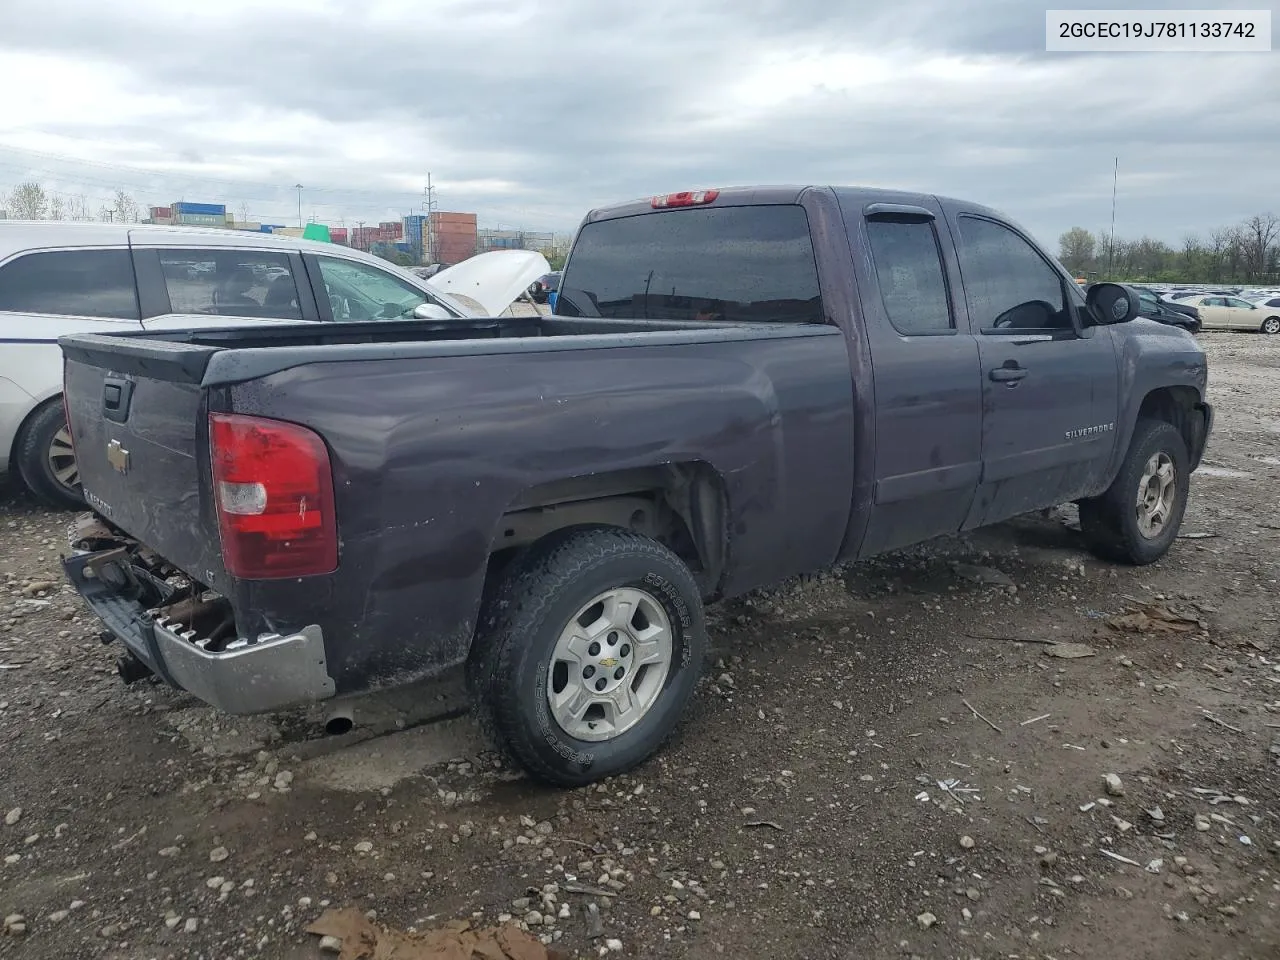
(247, 676)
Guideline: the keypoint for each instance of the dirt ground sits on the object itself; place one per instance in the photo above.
(885, 761)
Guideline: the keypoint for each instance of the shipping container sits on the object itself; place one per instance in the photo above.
(202, 219)
(212, 209)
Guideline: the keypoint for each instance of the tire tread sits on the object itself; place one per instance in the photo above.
(518, 602)
(1107, 521)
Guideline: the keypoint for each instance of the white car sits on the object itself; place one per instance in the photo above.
(58, 278)
(1236, 313)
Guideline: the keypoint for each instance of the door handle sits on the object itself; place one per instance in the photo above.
(1008, 375)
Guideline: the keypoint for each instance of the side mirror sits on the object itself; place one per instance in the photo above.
(1113, 303)
(431, 311)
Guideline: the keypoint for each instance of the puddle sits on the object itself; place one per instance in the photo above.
(1223, 472)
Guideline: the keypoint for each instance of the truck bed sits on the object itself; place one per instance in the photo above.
(222, 355)
(438, 432)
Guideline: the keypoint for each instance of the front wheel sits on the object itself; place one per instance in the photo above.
(587, 654)
(1138, 518)
(46, 460)
(1271, 325)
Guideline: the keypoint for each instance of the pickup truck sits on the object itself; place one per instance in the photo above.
(736, 387)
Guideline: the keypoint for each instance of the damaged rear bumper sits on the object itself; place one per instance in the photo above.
(245, 676)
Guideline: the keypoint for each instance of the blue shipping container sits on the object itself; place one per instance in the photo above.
(216, 209)
(413, 227)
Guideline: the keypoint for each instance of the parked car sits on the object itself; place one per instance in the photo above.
(739, 386)
(542, 288)
(1175, 315)
(58, 278)
(1236, 313)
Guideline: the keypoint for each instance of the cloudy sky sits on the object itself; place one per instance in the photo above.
(531, 111)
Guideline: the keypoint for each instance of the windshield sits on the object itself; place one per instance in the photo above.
(727, 264)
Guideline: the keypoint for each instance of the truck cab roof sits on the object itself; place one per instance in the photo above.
(742, 196)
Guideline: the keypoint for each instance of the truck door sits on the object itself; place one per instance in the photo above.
(1049, 384)
(928, 404)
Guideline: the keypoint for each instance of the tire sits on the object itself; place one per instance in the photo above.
(1271, 325)
(517, 664)
(45, 459)
(1113, 524)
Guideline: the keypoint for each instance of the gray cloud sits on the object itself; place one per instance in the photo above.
(530, 113)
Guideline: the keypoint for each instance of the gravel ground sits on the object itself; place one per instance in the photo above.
(886, 761)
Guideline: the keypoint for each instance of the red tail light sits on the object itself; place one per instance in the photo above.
(689, 198)
(273, 486)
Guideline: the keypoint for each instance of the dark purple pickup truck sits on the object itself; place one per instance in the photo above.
(736, 387)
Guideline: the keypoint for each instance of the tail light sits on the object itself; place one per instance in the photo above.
(689, 198)
(273, 486)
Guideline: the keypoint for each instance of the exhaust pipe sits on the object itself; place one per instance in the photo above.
(340, 720)
(131, 669)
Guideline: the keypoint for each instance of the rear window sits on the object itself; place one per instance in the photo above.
(727, 264)
(73, 283)
(230, 282)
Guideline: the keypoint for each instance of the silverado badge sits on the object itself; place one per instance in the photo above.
(118, 456)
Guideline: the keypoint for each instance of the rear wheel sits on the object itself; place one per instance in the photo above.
(587, 654)
(1138, 518)
(1271, 325)
(46, 460)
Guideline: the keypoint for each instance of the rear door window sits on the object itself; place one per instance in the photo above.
(230, 282)
(74, 283)
(909, 269)
(726, 264)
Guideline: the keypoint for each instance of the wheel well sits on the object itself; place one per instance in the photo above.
(20, 434)
(679, 505)
(1177, 405)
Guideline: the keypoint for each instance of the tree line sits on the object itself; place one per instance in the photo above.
(30, 201)
(1248, 252)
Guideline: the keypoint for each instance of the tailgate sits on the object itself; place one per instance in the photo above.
(141, 442)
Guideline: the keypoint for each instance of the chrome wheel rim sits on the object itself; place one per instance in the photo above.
(61, 458)
(609, 665)
(1271, 325)
(1156, 493)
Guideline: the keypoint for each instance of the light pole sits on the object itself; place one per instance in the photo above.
(298, 187)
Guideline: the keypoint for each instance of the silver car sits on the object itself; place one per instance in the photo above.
(58, 278)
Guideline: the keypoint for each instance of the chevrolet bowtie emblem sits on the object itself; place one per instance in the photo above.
(118, 456)
(608, 663)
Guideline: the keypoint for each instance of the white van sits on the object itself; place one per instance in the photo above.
(58, 278)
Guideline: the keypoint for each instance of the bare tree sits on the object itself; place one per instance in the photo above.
(126, 208)
(1220, 244)
(1076, 248)
(28, 201)
(78, 208)
(57, 208)
(1258, 236)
